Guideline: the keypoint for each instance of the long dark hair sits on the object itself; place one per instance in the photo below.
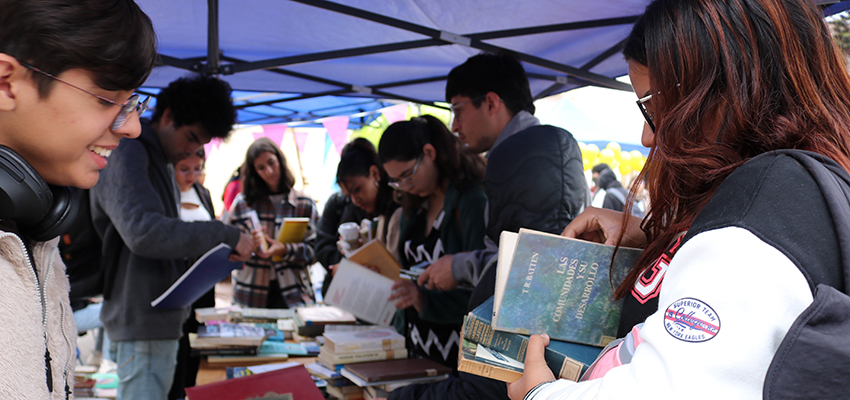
(254, 188)
(356, 158)
(734, 79)
(456, 166)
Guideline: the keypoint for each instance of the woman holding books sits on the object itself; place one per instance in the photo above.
(364, 195)
(740, 231)
(267, 190)
(442, 213)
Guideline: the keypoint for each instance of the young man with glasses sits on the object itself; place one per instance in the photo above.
(534, 180)
(135, 209)
(68, 70)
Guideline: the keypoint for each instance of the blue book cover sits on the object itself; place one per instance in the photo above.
(562, 287)
(566, 360)
(202, 276)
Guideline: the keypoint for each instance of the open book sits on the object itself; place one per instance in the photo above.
(376, 254)
(202, 276)
(362, 292)
(559, 286)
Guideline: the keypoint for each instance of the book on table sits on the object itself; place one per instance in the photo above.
(362, 292)
(380, 372)
(214, 349)
(354, 341)
(374, 253)
(560, 286)
(232, 334)
(202, 276)
(333, 358)
(295, 381)
(311, 320)
(565, 359)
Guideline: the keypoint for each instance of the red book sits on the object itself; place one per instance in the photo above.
(295, 380)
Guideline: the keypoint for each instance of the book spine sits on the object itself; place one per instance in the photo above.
(488, 371)
(248, 351)
(365, 356)
(385, 344)
(515, 345)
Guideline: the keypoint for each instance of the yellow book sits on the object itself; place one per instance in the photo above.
(293, 230)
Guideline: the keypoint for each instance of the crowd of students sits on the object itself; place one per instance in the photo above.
(745, 102)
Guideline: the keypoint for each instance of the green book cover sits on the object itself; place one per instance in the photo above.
(566, 360)
(562, 287)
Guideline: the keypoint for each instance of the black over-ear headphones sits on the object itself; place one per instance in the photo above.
(41, 211)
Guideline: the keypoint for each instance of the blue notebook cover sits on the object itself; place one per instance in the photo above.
(202, 276)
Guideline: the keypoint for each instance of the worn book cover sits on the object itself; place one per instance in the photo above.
(374, 253)
(562, 287)
(362, 292)
(295, 380)
(390, 370)
(566, 360)
(360, 356)
(468, 362)
(376, 339)
(202, 276)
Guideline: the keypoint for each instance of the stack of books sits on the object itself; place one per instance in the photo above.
(228, 339)
(310, 321)
(546, 284)
(335, 384)
(380, 377)
(342, 348)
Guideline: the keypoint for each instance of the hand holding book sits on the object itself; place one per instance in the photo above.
(407, 294)
(273, 249)
(605, 226)
(535, 370)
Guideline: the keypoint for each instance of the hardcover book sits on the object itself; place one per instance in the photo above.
(362, 292)
(311, 321)
(393, 370)
(232, 334)
(202, 276)
(562, 287)
(295, 380)
(566, 360)
(332, 358)
(376, 339)
(489, 368)
(375, 254)
(218, 349)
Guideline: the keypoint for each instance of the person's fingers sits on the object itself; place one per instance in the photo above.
(534, 356)
(424, 277)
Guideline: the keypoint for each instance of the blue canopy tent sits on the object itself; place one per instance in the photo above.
(302, 60)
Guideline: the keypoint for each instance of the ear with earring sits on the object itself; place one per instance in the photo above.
(377, 184)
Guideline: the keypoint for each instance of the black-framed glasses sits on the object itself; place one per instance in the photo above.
(132, 104)
(408, 180)
(641, 103)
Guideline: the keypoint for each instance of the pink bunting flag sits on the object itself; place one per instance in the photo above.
(395, 113)
(337, 128)
(275, 132)
(300, 139)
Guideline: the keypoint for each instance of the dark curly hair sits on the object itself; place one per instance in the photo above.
(198, 98)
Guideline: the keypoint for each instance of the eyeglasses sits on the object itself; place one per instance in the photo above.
(407, 180)
(456, 107)
(641, 103)
(189, 172)
(132, 104)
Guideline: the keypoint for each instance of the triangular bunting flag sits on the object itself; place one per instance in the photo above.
(275, 132)
(395, 113)
(337, 128)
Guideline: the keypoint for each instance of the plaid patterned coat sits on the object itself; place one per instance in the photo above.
(251, 283)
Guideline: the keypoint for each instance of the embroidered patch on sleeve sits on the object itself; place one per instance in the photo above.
(691, 320)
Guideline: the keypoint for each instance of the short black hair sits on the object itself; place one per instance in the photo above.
(499, 73)
(113, 39)
(600, 167)
(198, 98)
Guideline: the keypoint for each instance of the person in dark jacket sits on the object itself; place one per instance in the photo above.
(135, 212)
(609, 193)
(534, 179)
